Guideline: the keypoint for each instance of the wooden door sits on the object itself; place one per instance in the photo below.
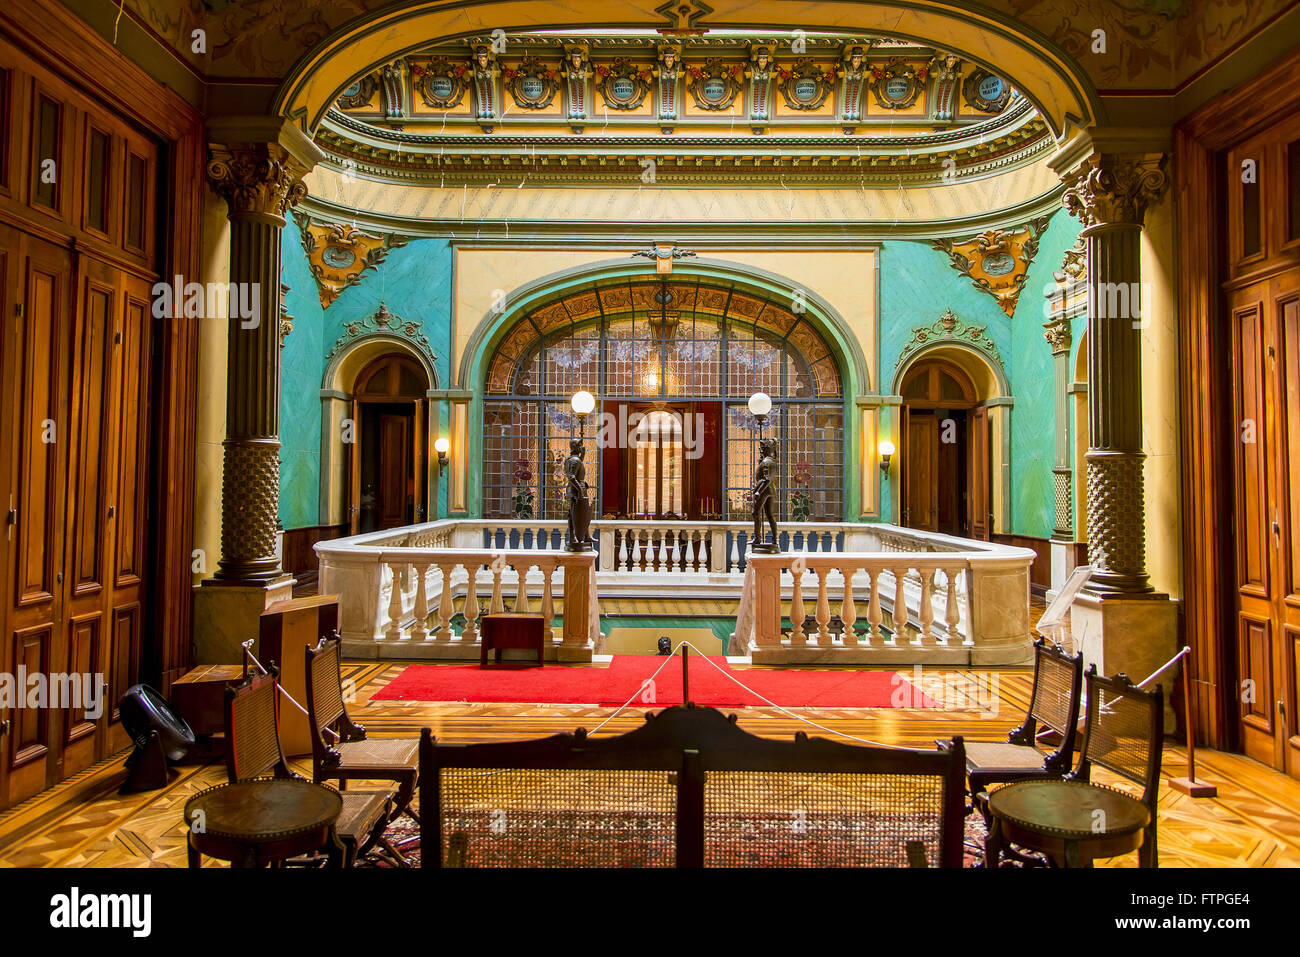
(920, 491)
(395, 473)
(38, 435)
(354, 471)
(980, 518)
(419, 473)
(1266, 352)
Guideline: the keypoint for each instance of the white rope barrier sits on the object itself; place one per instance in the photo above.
(248, 650)
(772, 704)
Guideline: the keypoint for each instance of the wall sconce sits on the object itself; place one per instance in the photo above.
(441, 446)
(886, 449)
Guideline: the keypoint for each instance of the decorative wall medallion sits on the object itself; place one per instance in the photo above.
(622, 85)
(997, 261)
(384, 322)
(338, 254)
(949, 327)
(441, 83)
(805, 85)
(897, 84)
(714, 86)
(359, 94)
(532, 84)
(986, 92)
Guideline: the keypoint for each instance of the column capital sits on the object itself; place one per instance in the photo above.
(1058, 336)
(258, 166)
(1115, 188)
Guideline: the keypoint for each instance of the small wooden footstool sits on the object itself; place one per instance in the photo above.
(513, 631)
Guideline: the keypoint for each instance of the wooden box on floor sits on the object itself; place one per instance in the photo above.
(286, 629)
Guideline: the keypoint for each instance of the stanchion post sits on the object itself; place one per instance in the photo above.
(686, 676)
(1189, 785)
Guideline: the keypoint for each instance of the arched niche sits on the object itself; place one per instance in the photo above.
(962, 414)
(356, 365)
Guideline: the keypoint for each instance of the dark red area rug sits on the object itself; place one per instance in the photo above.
(627, 677)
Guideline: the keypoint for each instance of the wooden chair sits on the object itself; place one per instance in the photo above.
(1123, 733)
(253, 751)
(1053, 703)
(348, 755)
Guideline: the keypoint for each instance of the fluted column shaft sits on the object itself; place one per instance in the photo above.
(1110, 194)
(259, 181)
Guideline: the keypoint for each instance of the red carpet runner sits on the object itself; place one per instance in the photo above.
(609, 687)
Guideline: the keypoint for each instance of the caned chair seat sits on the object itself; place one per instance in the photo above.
(378, 753)
(986, 755)
(364, 813)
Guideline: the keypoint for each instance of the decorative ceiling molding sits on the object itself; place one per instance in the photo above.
(384, 323)
(997, 260)
(339, 254)
(949, 328)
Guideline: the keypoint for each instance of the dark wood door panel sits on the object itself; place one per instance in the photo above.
(131, 404)
(1250, 422)
(42, 431)
(91, 392)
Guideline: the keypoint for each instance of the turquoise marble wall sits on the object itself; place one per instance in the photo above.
(302, 363)
(415, 283)
(1033, 420)
(918, 283)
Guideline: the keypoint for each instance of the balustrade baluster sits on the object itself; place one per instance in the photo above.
(521, 593)
(419, 629)
(926, 637)
(823, 609)
(496, 606)
(690, 562)
(848, 611)
(797, 637)
(446, 604)
(394, 629)
(548, 600)
(643, 540)
(470, 631)
(952, 613)
(900, 606)
(874, 614)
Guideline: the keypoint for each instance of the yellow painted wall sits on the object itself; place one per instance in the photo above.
(1160, 401)
(844, 278)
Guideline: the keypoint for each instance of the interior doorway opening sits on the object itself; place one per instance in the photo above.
(388, 458)
(946, 473)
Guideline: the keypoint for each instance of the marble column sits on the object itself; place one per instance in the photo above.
(259, 181)
(257, 165)
(1110, 193)
(1057, 334)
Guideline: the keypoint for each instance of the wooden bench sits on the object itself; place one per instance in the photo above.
(689, 789)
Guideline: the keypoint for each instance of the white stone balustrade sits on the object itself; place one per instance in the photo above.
(955, 601)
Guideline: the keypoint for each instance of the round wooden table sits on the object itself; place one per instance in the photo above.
(1072, 822)
(255, 823)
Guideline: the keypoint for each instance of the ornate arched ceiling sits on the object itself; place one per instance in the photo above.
(1152, 44)
(728, 108)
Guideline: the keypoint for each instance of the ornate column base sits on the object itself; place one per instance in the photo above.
(1130, 634)
(226, 614)
(250, 490)
(1116, 524)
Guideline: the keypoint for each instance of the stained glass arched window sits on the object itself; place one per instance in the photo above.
(691, 348)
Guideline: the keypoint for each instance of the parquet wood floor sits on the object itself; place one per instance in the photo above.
(1254, 822)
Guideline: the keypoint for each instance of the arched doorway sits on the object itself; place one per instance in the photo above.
(387, 454)
(672, 363)
(946, 473)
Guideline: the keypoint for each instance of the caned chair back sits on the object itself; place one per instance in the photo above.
(324, 687)
(1124, 731)
(1058, 681)
(252, 742)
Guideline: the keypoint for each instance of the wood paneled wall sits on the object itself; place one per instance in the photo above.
(1209, 432)
(100, 188)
